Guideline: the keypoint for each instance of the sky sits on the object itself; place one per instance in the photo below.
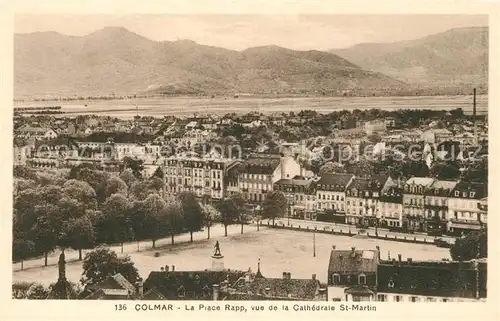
(238, 32)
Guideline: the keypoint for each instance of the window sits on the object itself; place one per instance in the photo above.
(336, 278)
(391, 284)
(397, 298)
(430, 299)
(381, 297)
(457, 193)
(362, 279)
(413, 299)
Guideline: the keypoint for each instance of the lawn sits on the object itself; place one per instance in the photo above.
(278, 250)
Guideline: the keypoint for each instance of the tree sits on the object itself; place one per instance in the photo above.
(155, 184)
(274, 206)
(22, 248)
(115, 224)
(22, 184)
(445, 170)
(82, 192)
(175, 218)
(210, 215)
(228, 213)
(21, 171)
(136, 165)
(103, 263)
(331, 167)
(473, 246)
(128, 177)
(116, 185)
(80, 234)
(239, 206)
(155, 222)
(46, 231)
(140, 190)
(191, 212)
(96, 179)
(37, 292)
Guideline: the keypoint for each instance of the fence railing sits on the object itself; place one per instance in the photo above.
(350, 232)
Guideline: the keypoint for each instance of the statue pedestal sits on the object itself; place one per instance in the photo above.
(217, 262)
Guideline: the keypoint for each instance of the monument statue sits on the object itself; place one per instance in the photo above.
(217, 249)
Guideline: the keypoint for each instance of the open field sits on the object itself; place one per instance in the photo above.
(278, 250)
(179, 106)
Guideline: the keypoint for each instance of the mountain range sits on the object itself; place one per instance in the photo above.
(451, 58)
(116, 60)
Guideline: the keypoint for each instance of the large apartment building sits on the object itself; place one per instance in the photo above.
(414, 202)
(331, 192)
(362, 198)
(436, 203)
(299, 193)
(202, 176)
(260, 171)
(466, 210)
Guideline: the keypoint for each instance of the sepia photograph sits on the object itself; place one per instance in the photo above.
(336, 158)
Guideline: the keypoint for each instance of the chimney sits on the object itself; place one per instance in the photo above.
(215, 288)
(333, 247)
(353, 251)
(284, 276)
(166, 268)
(378, 252)
(173, 268)
(393, 261)
(409, 260)
(140, 288)
(399, 258)
(314, 276)
(162, 269)
(474, 117)
(322, 293)
(288, 276)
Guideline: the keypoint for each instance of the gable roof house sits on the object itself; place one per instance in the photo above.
(36, 132)
(353, 267)
(189, 285)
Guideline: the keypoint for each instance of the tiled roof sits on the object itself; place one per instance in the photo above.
(303, 289)
(107, 294)
(443, 188)
(479, 190)
(422, 181)
(374, 183)
(359, 290)
(299, 182)
(153, 294)
(189, 285)
(253, 297)
(447, 279)
(36, 130)
(353, 261)
(262, 163)
(334, 179)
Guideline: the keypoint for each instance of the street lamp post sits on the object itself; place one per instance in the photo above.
(314, 242)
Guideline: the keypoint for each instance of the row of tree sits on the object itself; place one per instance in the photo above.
(86, 207)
